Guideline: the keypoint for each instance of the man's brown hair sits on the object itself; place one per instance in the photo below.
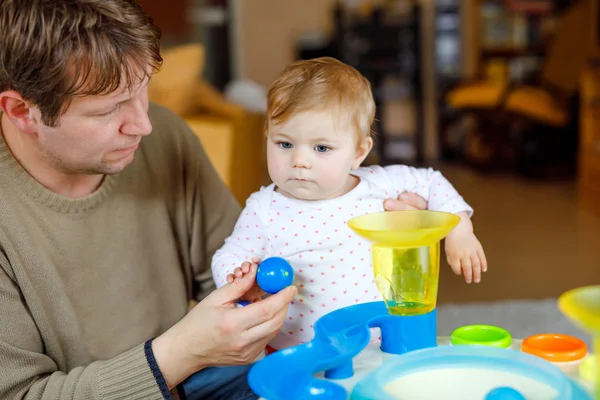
(322, 84)
(51, 51)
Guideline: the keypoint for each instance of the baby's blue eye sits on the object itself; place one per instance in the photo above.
(322, 149)
(285, 145)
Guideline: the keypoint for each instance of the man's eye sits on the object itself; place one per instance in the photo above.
(114, 110)
(322, 149)
(285, 145)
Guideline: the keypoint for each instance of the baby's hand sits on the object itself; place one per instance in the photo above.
(253, 294)
(465, 254)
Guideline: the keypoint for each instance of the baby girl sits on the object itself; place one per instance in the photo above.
(318, 128)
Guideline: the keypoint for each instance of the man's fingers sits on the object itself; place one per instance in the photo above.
(396, 205)
(263, 311)
(393, 205)
(406, 201)
(258, 345)
(267, 330)
(255, 293)
(414, 200)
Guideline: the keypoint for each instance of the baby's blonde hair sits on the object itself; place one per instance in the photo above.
(322, 84)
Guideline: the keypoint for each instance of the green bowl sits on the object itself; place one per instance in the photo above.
(481, 335)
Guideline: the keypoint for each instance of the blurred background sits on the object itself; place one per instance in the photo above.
(503, 96)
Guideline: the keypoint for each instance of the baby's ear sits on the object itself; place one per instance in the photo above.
(362, 151)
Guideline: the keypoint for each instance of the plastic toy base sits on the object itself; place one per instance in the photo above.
(467, 373)
(372, 358)
(340, 356)
(339, 336)
(339, 362)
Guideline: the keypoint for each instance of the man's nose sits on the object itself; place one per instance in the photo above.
(137, 122)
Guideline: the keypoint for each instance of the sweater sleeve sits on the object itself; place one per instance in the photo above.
(27, 373)
(429, 184)
(249, 239)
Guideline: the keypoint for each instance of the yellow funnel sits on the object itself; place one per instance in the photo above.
(582, 306)
(406, 256)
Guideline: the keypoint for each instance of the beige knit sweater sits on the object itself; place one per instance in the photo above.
(84, 284)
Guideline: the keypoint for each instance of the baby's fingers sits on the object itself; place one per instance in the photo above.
(476, 267)
(230, 278)
(467, 269)
(238, 272)
(245, 268)
(455, 265)
(483, 260)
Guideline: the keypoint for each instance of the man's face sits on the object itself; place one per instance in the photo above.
(97, 134)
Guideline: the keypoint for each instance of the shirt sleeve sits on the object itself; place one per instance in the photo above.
(429, 184)
(249, 239)
(26, 372)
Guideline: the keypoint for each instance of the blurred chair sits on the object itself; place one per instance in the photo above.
(541, 116)
(232, 137)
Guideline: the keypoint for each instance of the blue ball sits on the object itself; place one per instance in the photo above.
(504, 393)
(274, 274)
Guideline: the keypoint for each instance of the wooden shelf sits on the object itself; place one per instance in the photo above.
(589, 153)
(512, 52)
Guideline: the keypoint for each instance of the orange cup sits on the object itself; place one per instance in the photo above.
(556, 348)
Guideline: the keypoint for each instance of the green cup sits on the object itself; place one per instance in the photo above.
(481, 335)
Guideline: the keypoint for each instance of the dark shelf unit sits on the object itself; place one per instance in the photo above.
(385, 46)
(448, 67)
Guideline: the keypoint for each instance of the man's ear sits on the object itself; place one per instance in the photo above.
(362, 151)
(18, 111)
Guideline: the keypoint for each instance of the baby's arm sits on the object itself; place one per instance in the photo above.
(246, 245)
(464, 252)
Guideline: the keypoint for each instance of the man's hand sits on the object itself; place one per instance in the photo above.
(215, 332)
(464, 252)
(406, 201)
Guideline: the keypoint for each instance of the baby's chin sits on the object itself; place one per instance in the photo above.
(305, 194)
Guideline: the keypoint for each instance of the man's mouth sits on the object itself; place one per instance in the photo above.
(129, 148)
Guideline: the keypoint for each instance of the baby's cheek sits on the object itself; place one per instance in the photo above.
(333, 176)
(275, 169)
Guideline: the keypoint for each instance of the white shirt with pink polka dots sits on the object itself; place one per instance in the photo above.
(331, 263)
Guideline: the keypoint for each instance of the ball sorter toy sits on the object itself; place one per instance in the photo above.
(477, 362)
